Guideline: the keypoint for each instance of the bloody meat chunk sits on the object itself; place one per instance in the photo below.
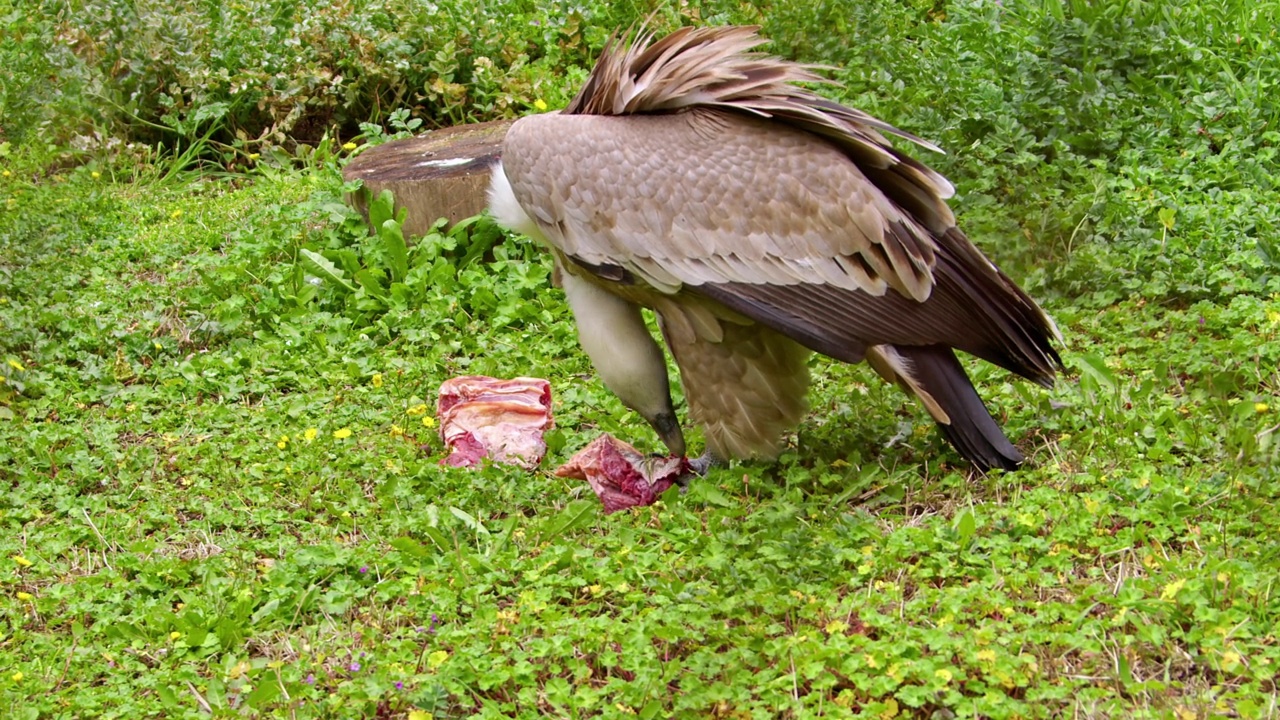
(503, 420)
(622, 476)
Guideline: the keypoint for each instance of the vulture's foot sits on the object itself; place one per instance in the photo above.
(700, 465)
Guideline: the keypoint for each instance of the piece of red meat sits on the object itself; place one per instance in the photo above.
(503, 420)
(622, 476)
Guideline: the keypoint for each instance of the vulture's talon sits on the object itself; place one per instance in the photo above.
(702, 465)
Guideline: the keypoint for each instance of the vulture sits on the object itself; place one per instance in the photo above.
(760, 222)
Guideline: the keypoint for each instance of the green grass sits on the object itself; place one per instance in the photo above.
(168, 553)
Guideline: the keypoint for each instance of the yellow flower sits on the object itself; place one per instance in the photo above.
(282, 444)
(437, 658)
(16, 677)
(25, 596)
(254, 156)
(22, 561)
(396, 431)
(175, 214)
(1261, 407)
(6, 173)
(342, 433)
(95, 174)
(16, 365)
(1171, 590)
(417, 409)
(310, 434)
(1230, 657)
(540, 104)
(377, 380)
(348, 146)
(175, 635)
(943, 674)
(429, 421)
(418, 715)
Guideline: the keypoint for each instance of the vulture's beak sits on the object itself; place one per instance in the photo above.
(668, 429)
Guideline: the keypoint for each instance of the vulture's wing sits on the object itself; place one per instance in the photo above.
(779, 224)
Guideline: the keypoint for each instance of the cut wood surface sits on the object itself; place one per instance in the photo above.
(442, 174)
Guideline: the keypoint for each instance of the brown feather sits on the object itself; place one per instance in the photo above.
(711, 67)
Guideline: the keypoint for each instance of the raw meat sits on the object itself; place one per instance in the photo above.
(622, 476)
(503, 420)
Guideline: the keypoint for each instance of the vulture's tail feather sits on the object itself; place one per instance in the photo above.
(973, 432)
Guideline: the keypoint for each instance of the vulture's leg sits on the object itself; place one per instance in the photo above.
(625, 355)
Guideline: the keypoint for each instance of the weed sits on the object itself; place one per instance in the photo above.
(223, 494)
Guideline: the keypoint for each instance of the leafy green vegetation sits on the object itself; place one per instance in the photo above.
(222, 490)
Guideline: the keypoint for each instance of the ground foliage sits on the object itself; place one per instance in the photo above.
(220, 469)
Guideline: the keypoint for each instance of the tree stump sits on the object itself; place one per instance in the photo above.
(442, 174)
